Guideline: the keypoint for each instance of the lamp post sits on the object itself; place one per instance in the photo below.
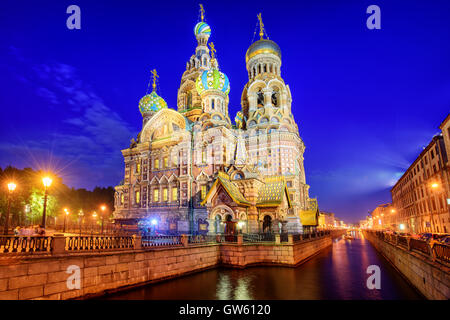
(11, 188)
(94, 217)
(65, 218)
(47, 183)
(103, 208)
(80, 217)
(434, 186)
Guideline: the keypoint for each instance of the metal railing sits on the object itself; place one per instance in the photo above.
(442, 252)
(433, 250)
(203, 238)
(60, 244)
(86, 243)
(19, 244)
(160, 241)
(419, 245)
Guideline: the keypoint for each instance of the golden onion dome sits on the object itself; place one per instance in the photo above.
(262, 46)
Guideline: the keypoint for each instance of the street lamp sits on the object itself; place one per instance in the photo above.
(80, 217)
(434, 185)
(65, 218)
(94, 216)
(103, 208)
(11, 187)
(47, 181)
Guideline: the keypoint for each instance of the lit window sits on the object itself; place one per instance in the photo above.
(166, 162)
(165, 194)
(203, 190)
(155, 195)
(138, 196)
(175, 161)
(156, 163)
(138, 167)
(122, 198)
(174, 194)
(203, 156)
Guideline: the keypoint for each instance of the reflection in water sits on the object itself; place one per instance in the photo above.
(338, 272)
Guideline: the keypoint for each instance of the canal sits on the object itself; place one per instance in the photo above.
(338, 272)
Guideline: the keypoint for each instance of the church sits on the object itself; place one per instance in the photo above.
(192, 170)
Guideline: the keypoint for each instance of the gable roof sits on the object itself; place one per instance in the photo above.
(233, 191)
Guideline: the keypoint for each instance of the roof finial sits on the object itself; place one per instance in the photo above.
(202, 12)
(155, 76)
(213, 50)
(261, 26)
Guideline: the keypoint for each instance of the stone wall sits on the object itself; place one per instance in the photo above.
(44, 276)
(432, 279)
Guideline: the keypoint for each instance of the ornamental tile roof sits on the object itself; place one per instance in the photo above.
(272, 192)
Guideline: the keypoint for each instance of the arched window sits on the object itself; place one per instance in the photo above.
(212, 104)
(204, 61)
(252, 123)
(274, 120)
(275, 97)
(265, 68)
(260, 96)
(189, 100)
(238, 176)
(271, 68)
(259, 68)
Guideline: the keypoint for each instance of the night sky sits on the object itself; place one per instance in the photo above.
(366, 101)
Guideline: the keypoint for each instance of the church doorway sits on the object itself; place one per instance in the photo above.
(230, 225)
(267, 224)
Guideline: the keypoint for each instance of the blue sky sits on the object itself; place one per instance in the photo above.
(366, 101)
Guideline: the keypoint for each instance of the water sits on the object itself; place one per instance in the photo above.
(338, 272)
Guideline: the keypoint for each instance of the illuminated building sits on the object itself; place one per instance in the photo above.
(191, 169)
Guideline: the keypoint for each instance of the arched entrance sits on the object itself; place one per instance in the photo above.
(267, 224)
(230, 225)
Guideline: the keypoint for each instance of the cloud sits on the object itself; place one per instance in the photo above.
(93, 134)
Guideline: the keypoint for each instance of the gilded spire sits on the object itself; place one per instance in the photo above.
(213, 55)
(213, 50)
(261, 26)
(155, 77)
(202, 12)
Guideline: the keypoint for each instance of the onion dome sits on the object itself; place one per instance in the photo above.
(151, 103)
(202, 28)
(262, 46)
(212, 79)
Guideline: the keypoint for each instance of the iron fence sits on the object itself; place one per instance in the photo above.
(160, 241)
(442, 252)
(419, 245)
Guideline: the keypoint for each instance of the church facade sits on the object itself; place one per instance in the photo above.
(192, 170)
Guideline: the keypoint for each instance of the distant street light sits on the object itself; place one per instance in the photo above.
(103, 208)
(11, 187)
(80, 217)
(47, 181)
(65, 218)
(434, 185)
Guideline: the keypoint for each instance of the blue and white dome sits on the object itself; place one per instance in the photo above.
(212, 79)
(202, 28)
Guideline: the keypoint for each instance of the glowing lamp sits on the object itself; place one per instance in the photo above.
(11, 186)
(402, 226)
(154, 222)
(47, 181)
(103, 208)
(241, 224)
(434, 185)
